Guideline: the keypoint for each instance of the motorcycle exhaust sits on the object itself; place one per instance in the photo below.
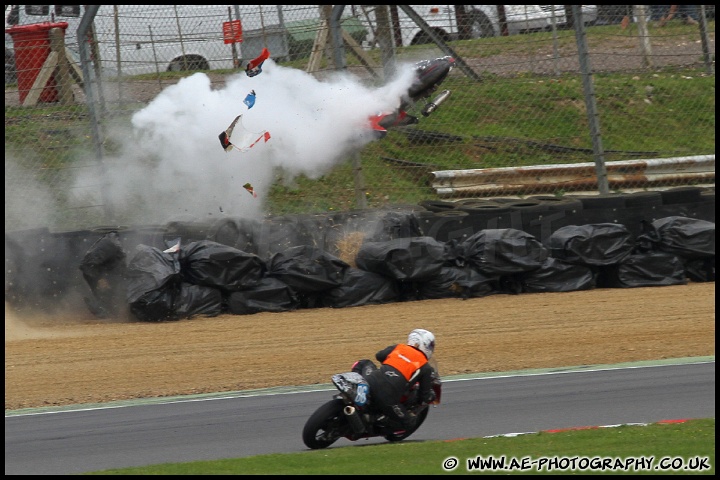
(354, 419)
(430, 107)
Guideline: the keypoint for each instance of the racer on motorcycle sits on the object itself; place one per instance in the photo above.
(402, 366)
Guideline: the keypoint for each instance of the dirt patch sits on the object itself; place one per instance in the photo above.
(60, 361)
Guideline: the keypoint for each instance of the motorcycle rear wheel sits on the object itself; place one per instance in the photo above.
(326, 425)
(397, 437)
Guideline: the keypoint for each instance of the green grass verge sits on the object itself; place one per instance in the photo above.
(617, 450)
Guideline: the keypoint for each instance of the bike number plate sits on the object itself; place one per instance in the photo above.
(361, 396)
(353, 385)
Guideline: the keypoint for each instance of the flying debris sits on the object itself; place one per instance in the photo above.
(254, 66)
(250, 99)
(250, 189)
(174, 249)
(429, 74)
(243, 140)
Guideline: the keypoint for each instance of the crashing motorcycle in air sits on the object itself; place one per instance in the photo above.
(429, 74)
(350, 414)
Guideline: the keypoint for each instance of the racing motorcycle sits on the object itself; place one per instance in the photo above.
(350, 414)
(429, 74)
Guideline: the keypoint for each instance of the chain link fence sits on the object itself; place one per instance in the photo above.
(112, 114)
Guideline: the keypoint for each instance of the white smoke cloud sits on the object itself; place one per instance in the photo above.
(173, 165)
(28, 204)
(170, 165)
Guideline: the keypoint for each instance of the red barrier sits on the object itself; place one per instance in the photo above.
(32, 48)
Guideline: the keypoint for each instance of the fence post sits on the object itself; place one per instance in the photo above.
(640, 12)
(86, 25)
(337, 45)
(589, 88)
(708, 58)
(385, 41)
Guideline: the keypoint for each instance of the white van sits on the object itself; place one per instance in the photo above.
(483, 20)
(136, 39)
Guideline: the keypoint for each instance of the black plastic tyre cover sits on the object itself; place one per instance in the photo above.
(686, 237)
(598, 244)
(557, 276)
(197, 300)
(403, 259)
(458, 282)
(644, 269)
(360, 287)
(502, 251)
(213, 264)
(307, 269)
(153, 283)
(270, 295)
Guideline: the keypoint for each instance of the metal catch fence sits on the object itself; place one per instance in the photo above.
(112, 112)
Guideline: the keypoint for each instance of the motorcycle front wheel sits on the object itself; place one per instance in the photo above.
(396, 437)
(326, 425)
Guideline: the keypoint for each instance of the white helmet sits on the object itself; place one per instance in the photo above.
(423, 340)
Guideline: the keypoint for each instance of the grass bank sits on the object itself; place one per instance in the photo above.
(672, 448)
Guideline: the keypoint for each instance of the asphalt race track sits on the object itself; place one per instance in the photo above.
(80, 440)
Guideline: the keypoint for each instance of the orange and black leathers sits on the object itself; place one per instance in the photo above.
(405, 359)
(401, 366)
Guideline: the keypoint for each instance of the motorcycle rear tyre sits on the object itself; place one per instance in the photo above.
(328, 419)
(393, 437)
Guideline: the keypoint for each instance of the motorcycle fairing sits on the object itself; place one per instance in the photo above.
(429, 74)
(353, 386)
(254, 66)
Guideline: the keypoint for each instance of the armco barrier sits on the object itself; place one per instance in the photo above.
(573, 177)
